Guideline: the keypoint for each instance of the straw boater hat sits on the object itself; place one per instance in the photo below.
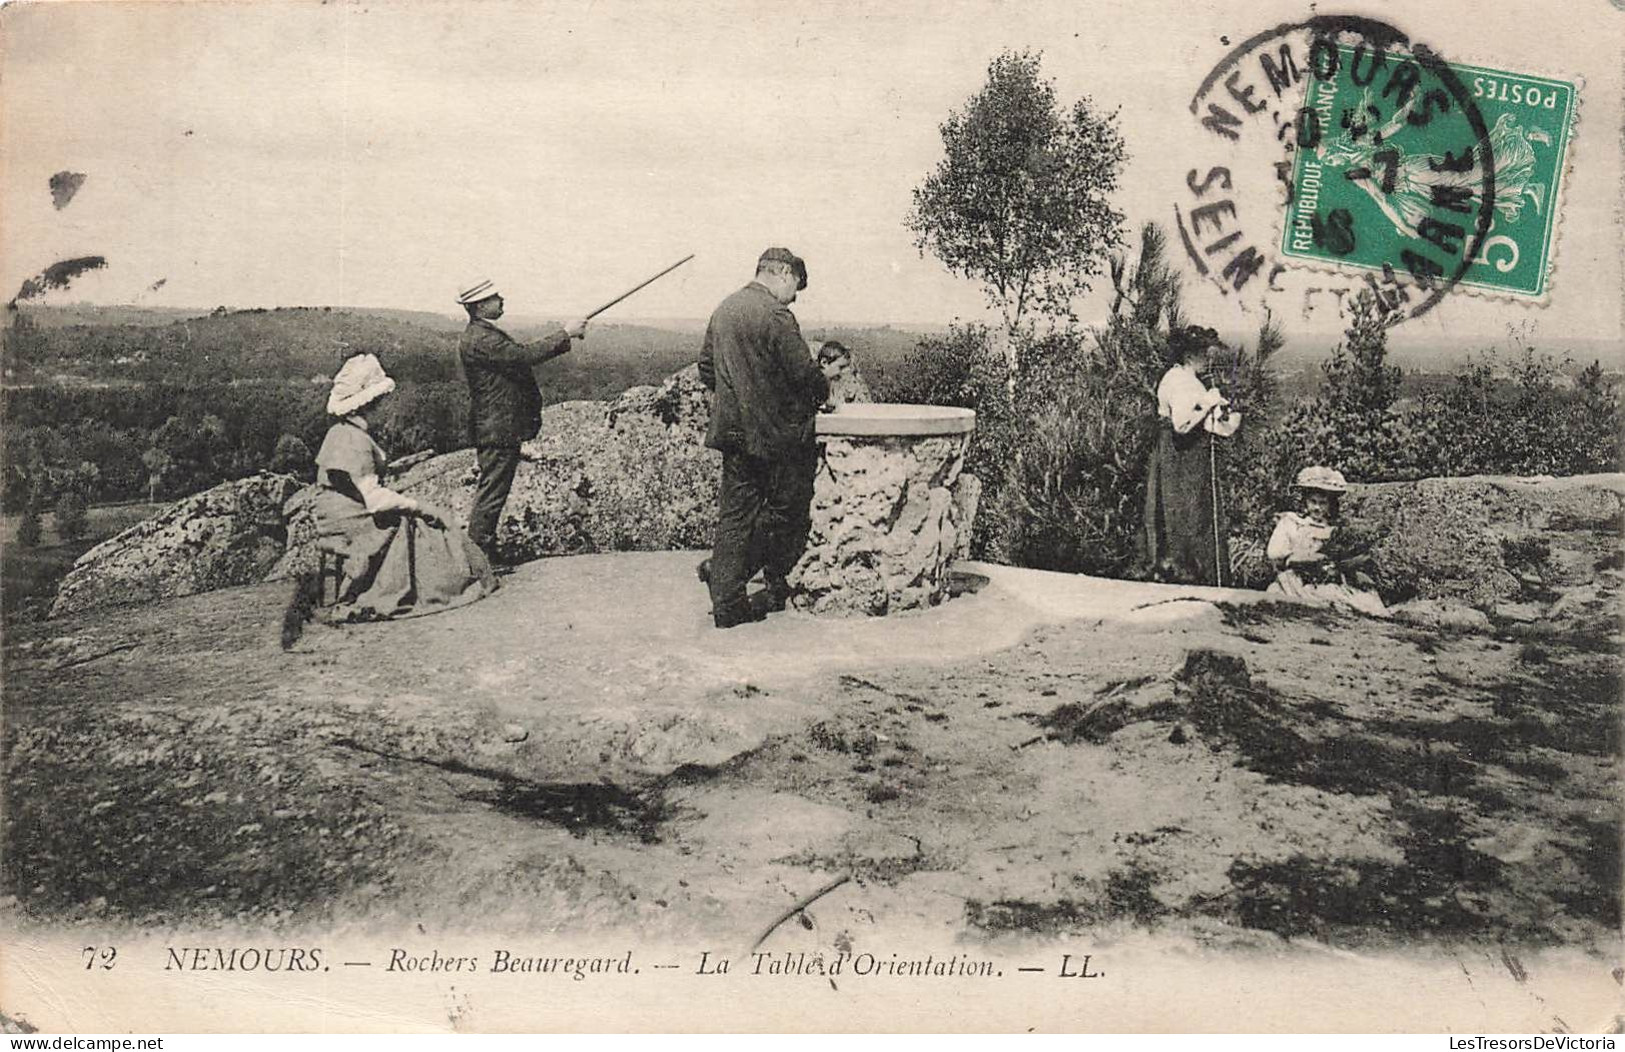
(1327, 480)
(358, 384)
(477, 291)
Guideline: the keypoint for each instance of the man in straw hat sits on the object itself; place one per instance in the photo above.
(504, 403)
(768, 390)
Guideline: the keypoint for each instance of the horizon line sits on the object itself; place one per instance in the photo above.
(533, 316)
(450, 314)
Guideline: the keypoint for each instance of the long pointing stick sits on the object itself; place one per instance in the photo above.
(638, 286)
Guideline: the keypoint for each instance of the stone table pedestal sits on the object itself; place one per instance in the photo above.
(892, 508)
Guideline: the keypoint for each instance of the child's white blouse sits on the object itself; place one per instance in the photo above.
(1297, 538)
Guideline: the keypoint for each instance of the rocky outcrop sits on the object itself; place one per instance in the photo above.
(587, 486)
(229, 535)
(1488, 541)
(680, 404)
(886, 520)
(629, 475)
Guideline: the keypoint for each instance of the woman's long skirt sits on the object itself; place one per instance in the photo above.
(397, 565)
(1185, 541)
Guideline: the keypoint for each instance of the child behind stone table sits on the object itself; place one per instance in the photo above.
(1318, 560)
(846, 384)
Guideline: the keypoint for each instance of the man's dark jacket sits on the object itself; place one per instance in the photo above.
(504, 403)
(768, 388)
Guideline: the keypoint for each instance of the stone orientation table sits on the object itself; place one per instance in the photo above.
(892, 508)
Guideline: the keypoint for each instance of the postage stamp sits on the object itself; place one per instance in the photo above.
(1390, 172)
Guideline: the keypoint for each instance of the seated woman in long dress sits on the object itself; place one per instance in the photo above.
(1317, 560)
(400, 557)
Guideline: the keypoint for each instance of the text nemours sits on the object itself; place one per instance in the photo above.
(779, 964)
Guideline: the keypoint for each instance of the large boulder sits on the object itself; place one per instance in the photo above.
(628, 475)
(681, 404)
(229, 535)
(632, 474)
(1487, 540)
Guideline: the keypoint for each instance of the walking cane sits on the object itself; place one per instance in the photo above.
(1213, 479)
(410, 525)
(638, 287)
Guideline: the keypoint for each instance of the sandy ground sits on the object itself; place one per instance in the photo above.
(1048, 757)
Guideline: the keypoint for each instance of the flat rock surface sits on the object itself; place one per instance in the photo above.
(1050, 756)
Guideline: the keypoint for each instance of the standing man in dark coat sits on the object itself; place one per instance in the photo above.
(504, 403)
(768, 390)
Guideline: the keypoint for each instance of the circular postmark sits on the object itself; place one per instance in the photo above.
(1371, 157)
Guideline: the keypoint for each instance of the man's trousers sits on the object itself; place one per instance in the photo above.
(497, 466)
(764, 514)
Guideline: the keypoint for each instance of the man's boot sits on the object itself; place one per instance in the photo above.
(739, 612)
(499, 565)
(775, 597)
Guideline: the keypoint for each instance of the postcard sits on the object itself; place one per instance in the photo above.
(726, 516)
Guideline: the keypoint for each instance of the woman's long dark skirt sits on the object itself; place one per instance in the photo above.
(1180, 536)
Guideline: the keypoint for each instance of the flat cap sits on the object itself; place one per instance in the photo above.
(783, 255)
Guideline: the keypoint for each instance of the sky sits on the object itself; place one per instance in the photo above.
(384, 154)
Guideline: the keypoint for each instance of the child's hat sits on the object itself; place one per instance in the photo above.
(1328, 480)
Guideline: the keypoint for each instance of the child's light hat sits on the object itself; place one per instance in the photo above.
(1327, 480)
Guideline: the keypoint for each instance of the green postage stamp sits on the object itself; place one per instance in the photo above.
(1397, 167)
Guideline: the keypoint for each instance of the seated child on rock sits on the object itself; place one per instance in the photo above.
(1317, 558)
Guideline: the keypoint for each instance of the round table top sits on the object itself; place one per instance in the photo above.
(896, 418)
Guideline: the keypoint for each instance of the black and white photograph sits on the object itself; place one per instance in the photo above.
(725, 516)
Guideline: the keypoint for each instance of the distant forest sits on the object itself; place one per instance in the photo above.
(130, 409)
(138, 410)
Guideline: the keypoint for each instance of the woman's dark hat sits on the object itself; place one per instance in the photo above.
(1190, 339)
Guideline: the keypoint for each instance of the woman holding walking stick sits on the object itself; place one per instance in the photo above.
(1185, 534)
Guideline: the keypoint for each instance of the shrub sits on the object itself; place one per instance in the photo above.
(29, 529)
(1086, 407)
(1062, 442)
(1350, 424)
(292, 457)
(964, 369)
(71, 521)
(1086, 414)
(1526, 554)
(1524, 418)
(1255, 468)
(1598, 428)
